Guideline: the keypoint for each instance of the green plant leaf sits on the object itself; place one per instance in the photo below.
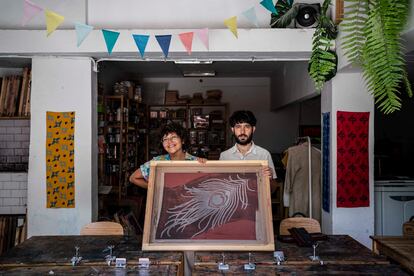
(286, 13)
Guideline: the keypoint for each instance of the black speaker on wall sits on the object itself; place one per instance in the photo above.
(307, 15)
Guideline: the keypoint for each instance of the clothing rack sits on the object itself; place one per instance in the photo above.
(308, 139)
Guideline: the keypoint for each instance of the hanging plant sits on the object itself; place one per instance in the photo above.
(286, 13)
(323, 61)
(372, 40)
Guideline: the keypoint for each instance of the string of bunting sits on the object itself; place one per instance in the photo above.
(54, 20)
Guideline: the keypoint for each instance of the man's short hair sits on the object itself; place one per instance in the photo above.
(242, 116)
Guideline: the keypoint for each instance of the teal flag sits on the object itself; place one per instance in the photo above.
(82, 31)
(164, 41)
(110, 39)
(268, 4)
(141, 41)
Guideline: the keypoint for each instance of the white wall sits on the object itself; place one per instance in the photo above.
(130, 14)
(60, 84)
(11, 13)
(348, 93)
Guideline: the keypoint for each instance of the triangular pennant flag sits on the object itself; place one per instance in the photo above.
(187, 40)
(231, 23)
(141, 41)
(268, 4)
(110, 39)
(164, 41)
(53, 20)
(250, 14)
(29, 11)
(82, 31)
(203, 35)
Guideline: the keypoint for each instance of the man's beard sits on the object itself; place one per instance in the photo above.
(245, 142)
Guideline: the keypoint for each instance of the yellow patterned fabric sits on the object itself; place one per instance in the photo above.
(60, 169)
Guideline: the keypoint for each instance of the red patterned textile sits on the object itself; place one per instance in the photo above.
(352, 159)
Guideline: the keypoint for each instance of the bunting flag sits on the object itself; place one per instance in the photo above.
(187, 40)
(164, 42)
(141, 41)
(352, 178)
(53, 20)
(30, 10)
(268, 4)
(110, 39)
(60, 159)
(231, 23)
(82, 31)
(203, 35)
(250, 14)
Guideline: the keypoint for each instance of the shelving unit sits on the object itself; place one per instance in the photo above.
(121, 142)
(206, 125)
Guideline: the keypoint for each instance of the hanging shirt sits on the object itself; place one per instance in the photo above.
(255, 153)
(145, 168)
(296, 186)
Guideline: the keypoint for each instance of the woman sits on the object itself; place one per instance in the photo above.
(173, 140)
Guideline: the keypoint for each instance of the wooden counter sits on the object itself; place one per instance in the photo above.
(336, 249)
(40, 253)
(400, 249)
(340, 254)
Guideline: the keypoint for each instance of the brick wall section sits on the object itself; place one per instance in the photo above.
(13, 193)
(14, 145)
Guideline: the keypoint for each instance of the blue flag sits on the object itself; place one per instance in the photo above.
(110, 39)
(268, 4)
(164, 41)
(141, 41)
(82, 31)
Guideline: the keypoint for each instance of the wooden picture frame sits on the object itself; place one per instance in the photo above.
(216, 206)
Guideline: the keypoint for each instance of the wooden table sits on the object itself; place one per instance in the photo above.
(42, 254)
(340, 254)
(400, 249)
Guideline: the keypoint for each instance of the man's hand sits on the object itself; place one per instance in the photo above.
(267, 171)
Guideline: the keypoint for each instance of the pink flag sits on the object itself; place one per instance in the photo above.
(29, 11)
(187, 40)
(203, 35)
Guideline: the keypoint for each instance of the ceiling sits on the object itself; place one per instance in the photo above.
(171, 69)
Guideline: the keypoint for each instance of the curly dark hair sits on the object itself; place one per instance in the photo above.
(172, 127)
(242, 116)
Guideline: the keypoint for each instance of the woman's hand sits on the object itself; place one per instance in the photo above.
(201, 160)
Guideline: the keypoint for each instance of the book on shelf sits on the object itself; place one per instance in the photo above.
(15, 95)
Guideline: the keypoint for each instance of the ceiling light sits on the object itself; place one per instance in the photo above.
(208, 73)
(193, 61)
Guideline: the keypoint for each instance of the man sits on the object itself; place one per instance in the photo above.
(243, 125)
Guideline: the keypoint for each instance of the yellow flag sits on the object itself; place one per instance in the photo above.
(231, 23)
(53, 20)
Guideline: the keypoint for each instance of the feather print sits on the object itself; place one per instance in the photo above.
(210, 204)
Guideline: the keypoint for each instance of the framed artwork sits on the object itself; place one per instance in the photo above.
(216, 206)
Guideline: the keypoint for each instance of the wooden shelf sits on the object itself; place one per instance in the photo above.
(186, 111)
(15, 118)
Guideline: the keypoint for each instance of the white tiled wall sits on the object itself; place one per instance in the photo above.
(13, 193)
(14, 145)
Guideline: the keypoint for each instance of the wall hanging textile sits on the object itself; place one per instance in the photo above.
(326, 132)
(60, 169)
(352, 159)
